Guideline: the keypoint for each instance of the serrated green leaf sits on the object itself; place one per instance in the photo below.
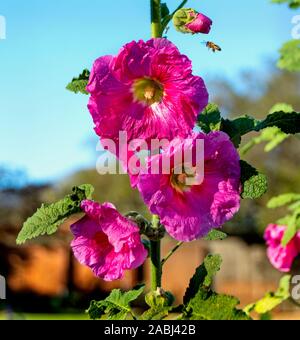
(254, 184)
(282, 200)
(271, 300)
(207, 305)
(116, 306)
(215, 235)
(288, 123)
(283, 123)
(210, 119)
(203, 277)
(50, 216)
(79, 84)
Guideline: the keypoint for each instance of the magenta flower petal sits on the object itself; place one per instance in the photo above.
(107, 242)
(189, 213)
(281, 257)
(147, 90)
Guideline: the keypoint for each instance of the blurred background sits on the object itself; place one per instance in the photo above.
(48, 144)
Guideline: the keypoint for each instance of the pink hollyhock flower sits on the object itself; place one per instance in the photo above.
(187, 20)
(190, 211)
(281, 257)
(107, 242)
(147, 90)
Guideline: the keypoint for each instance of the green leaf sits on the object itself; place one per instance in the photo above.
(254, 184)
(290, 56)
(164, 10)
(293, 225)
(116, 306)
(273, 136)
(287, 122)
(207, 305)
(50, 216)
(282, 200)
(79, 84)
(210, 119)
(215, 235)
(201, 303)
(203, 277)
(284, 220)
(271, 300)
(287, 108)
(238, 128)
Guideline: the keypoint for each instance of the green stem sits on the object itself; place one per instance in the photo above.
(155, 246)
(156, 29)
(171, 253)
(155, 257)
(156, 269)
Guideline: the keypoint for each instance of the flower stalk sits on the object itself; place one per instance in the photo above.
(155, 258)
(156, 27)
(155, 246)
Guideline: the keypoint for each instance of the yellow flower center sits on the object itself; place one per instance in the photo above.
(148, 91)
(182, 181)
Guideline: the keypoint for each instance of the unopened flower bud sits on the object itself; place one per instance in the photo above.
(187, 20)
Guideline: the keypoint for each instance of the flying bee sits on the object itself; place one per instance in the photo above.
(212, 46)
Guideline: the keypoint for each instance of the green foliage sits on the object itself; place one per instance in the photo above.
(160, 305)
(294, 4)
(79, 84)
(210, 119)
(201, 303)
(215, 235)
(282, 200)
(271, 300)
(207, 305)
(116, 306)
(50, 216)
(238, 128)
(254, 183)
(288, 123)
(165, 12)
(293, 226)
(292, 221)
(203, 276)
(290, 56)
(273, 136)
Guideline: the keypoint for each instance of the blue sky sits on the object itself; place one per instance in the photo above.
(43, 128)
